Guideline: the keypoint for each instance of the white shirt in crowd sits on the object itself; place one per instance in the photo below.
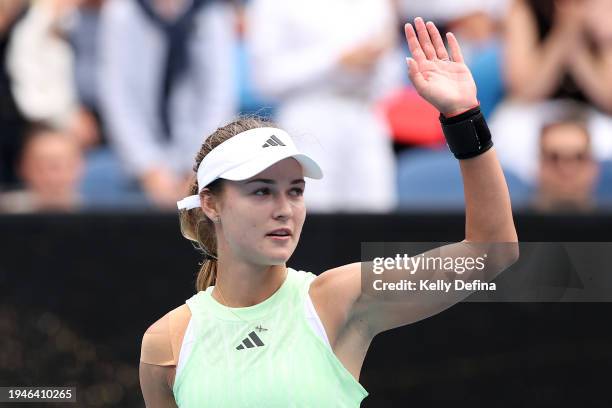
(295, 50)
(132, 55)
(40, 65)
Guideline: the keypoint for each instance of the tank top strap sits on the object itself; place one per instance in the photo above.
(304, 279)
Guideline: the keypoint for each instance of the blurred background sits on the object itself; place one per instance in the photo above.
(104, 104)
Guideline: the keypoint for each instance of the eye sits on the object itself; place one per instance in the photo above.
(297, 192)
(262, 191)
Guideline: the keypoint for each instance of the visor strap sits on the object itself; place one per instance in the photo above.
(189, 203)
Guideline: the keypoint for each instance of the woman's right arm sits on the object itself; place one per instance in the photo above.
(534, 68)
(155, 385)
(159, 356)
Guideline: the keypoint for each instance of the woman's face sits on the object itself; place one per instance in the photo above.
(262, 217)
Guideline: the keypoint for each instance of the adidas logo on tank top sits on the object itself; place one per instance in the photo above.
(252, 340)
(273, 141)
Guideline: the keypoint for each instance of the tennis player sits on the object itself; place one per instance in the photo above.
(260, 334)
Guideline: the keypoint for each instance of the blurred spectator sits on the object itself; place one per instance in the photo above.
(444, 11)
(326, 63)
(83, 37)
(555, 50)
(474, 22)
(251, 102)
(40, 62)
(560, 49)
(12, 122)
(51, 168)
(167, 70)
(567, 170)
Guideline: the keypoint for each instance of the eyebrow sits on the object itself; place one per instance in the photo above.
(270, 181)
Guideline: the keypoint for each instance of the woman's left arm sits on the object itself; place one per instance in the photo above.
(446, 82)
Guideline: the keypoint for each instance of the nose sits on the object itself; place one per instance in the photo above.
(283, 208)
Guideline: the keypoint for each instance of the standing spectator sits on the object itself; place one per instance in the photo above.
(567, 170)
(82, 35)
(560, 49)
(326, 64)
(12, 122)
(555, 50)
(167, 76)
(51, 168)
(41, 66)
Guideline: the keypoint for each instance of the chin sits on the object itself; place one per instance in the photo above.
(278, 260)
(276, 257)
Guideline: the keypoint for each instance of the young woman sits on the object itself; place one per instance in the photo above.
(266, 335)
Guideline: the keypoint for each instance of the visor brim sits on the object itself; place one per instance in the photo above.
(251, 168)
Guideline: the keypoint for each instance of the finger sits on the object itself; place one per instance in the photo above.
(414, 45)
(454, 48)
(436, 39)
(424, 39)
(415, 75)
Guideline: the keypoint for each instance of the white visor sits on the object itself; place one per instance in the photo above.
(245, 155)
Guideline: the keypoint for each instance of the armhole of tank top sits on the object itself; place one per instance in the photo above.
(313, 319)
(186, 348)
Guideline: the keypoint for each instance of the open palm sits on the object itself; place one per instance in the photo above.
(444, 81)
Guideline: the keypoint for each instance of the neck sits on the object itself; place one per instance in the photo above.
(240, 284)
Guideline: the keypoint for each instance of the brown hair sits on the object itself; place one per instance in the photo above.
(195, 226)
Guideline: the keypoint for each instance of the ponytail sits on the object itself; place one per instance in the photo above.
(207, 274)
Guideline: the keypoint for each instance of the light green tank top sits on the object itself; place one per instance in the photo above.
(271, 359)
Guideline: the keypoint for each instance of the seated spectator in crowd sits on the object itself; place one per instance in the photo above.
(167, 75)
(12, 123)
(326, 63)
(40, 62)
(50, 168)
(567, 170)
(554, 50)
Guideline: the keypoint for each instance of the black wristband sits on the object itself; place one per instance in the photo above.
(467, 135)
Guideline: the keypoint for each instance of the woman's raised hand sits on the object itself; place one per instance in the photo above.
(442, 79)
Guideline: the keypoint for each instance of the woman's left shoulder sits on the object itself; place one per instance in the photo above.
(337, 289)
(343, 278)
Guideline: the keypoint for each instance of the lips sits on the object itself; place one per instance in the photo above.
(280, 232)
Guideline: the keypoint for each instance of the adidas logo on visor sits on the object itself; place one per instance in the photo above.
(273, 141)
(251, 341)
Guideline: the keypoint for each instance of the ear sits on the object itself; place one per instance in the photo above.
(209, 204)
